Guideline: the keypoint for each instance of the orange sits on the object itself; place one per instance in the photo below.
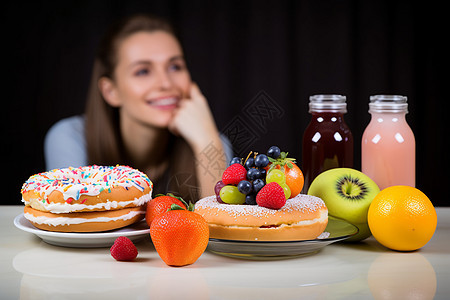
(179, 236)
(294, 178)
(402, 218)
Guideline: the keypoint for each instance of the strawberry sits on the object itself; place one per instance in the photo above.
(160, 205)
(234, 174)
(123, 249)
(271, 196)
(180, 236)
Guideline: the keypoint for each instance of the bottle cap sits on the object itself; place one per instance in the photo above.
(327, 103)
(388, 104)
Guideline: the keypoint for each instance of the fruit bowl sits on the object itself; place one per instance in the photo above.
(336, 230)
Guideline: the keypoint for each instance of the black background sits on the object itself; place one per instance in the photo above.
(236, 52)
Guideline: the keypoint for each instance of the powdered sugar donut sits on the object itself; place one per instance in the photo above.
(86, 190)
(303, 217)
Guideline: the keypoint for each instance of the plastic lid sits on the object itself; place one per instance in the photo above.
(388, 104)
(327, 103)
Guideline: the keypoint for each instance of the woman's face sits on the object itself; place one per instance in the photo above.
(150, 78)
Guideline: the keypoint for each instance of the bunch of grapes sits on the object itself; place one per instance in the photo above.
(256, 166)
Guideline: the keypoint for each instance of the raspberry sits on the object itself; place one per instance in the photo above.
(234, 174)
(123, 249)
(271, 196)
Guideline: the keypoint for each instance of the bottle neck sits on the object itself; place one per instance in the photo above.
(380, 117)
(322, 117)
(327, 103)
(388, 104)
(327, 114)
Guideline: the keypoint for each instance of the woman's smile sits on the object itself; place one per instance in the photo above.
(164, 102)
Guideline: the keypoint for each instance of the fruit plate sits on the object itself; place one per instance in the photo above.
(134, 232)
(336, 230)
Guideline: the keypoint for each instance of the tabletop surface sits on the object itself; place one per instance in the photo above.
(33, 269)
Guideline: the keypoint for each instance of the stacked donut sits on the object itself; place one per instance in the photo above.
(86, 199)
(303, 217)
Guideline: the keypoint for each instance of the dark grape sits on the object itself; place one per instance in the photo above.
(261, 160)
(253, 174)
(250, 163)
(250, 199)
(274, 152)
(258, 184)
(245, 187)
(219, 185)
(262, 173)
(235, 160)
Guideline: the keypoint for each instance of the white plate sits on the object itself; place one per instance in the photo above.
(134, 232)
(337, 230)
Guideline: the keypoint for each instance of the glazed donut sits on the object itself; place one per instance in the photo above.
(70, 199)
(303, 217)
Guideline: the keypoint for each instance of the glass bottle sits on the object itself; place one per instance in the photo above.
(327, 141)
(388, 147)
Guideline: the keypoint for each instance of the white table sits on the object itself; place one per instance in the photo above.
(32, 269)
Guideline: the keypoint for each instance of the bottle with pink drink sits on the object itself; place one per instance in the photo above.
(388, 150)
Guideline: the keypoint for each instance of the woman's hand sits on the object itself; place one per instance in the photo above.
(193, 121)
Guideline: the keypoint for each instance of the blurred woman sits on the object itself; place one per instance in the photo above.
(143, 110)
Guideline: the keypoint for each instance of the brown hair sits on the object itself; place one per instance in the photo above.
(103, 139)
(104, 142)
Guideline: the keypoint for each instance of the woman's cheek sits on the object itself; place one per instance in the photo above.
(183, 82)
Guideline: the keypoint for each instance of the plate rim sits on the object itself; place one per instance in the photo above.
(75, 235)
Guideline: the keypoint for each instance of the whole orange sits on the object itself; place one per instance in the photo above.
(294, 178)
(402, 218)
(179, 236)
(159, 205)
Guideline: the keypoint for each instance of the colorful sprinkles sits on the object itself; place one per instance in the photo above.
(73, 183)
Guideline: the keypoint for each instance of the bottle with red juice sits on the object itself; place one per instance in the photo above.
(327, 141)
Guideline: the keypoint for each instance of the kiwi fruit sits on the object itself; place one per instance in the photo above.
(347, 193)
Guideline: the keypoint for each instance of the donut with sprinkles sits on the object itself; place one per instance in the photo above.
(86, 199)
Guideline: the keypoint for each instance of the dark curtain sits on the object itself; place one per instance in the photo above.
(241, 53)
